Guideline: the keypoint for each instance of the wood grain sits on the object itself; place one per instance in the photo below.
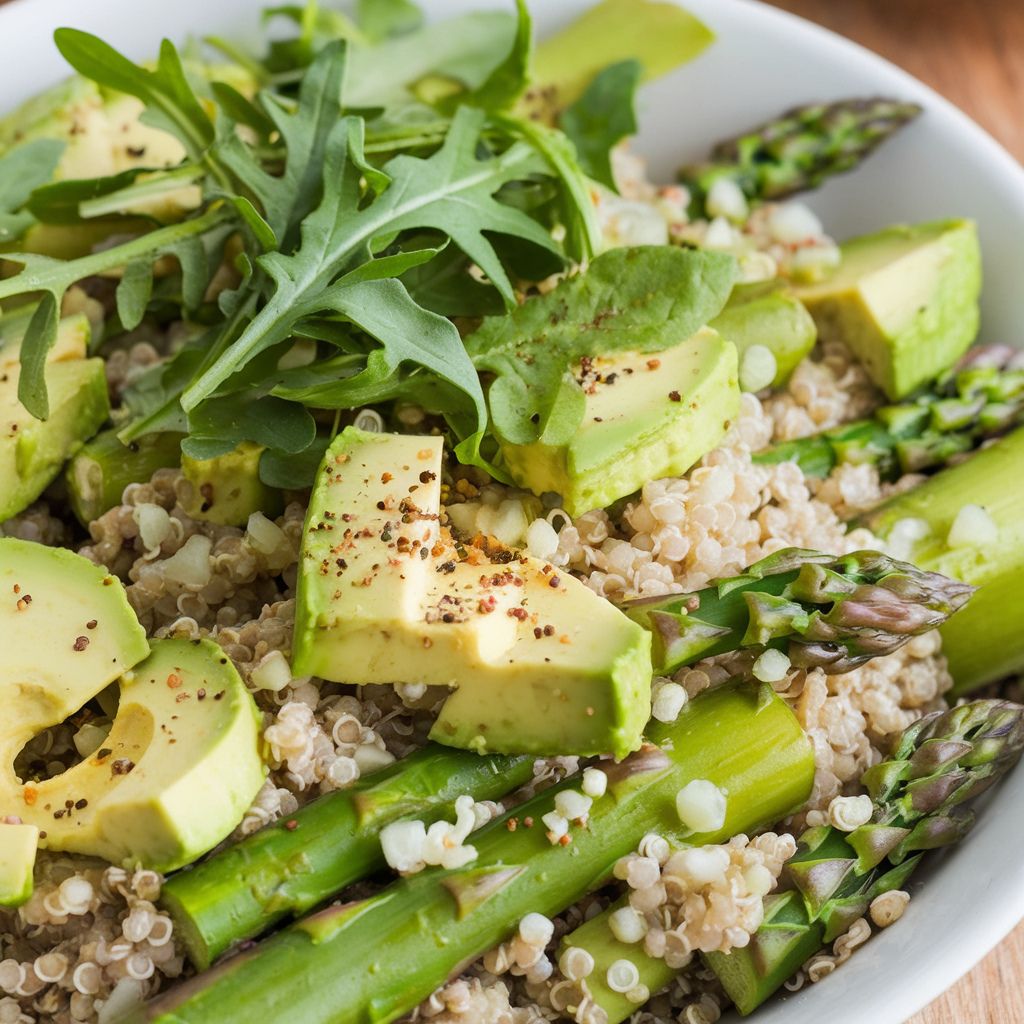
(971, 51)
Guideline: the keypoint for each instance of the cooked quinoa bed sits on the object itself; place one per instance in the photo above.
(88, 928)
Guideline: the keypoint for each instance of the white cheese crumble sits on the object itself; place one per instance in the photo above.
(700, 805)
(758, 368)
(595, 783)
(972, 528)
(409, 846)
(572, 805)
(726, 199)
(771, 666)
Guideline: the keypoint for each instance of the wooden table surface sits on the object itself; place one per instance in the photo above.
(972, 51)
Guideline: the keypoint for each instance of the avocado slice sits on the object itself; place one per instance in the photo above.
(174, 776)
(18, 844)
(227, 489)
(904, 299)
(50, 598)
(768, 314)
(381, 599)
(648, 415)
(185, 718)
(33, 451)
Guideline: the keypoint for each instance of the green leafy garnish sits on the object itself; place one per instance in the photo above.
(22, 170)
(640, 300)
(387, 176)
(602, 117)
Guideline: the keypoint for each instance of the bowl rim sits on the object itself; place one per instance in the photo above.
(978, 934)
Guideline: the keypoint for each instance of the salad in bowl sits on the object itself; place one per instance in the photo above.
(449, 575)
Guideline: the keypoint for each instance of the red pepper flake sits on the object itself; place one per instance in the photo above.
(23, 603)
(653, 364)
(17, 588)
(565, 639)
(564, 840)
(30, 794)
(487, 604)
(674, 396)
(521, 614)
(80, 644)
(91, 624)
(386, 478)
(291, 824)
(174, 681)
(512, 824)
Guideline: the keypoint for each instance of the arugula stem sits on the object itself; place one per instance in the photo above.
(55, 276)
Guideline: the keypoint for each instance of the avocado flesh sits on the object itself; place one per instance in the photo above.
(18, 844)
(33, 451)
(370, 609)
(174, 776)
(181, 762)
(773, 317)
(905, 301)
(227, 489)
(48, 598)
(661, 412)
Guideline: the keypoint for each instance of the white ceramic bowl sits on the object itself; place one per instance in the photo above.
(944, 165)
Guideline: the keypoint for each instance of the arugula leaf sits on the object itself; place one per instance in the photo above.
(293, 471)
(171, 105)
(661, 35)
(287, 198)
(452, 191)
(25, 168)
(218, 427)
(465, 49)
(54, 277)
(635, 299)
(381, 19)
(445, 286)
(507, 82)
(602, 117)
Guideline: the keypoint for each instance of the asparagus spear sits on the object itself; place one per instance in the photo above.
(102, 469)
(985, 642)
(291, 866)
(242, 891)
(968, 407)
(800, 149)
(939, 763)
(376, 959)
(823, 611)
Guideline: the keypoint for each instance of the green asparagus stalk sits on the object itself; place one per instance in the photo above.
(247, 888)
(968, 407)
(835, 613)
(293, 865)
(97, 476)
(939, 763)
(985, 642)
(376, 959)
(799, 150)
